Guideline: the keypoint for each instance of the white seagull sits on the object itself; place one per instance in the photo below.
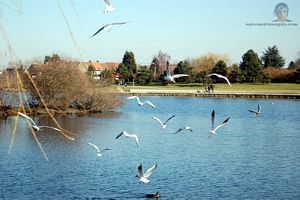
(36, 127)
(220, 76)
(143, 177)
(141, 103)
(183, 128)
(257, 112)
(99, 153)
(213, 130)
(108, 7)
(169, 77)
(163, 125)
(108, 27)
(129, 136)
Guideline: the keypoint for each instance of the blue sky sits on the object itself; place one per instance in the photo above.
(181, 28)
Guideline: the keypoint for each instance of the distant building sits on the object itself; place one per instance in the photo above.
(98, 66)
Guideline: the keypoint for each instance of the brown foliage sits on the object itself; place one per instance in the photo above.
(63, 83)
(207, 62)
(280, 75)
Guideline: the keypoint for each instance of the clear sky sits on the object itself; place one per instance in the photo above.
(181, 28)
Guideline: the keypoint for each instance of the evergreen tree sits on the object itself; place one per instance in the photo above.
(185, 67)
(251, 66)
(220, 68)
(236, 74)
(128, 66)
(272, 58)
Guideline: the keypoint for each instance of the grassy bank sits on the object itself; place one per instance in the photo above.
(285, 88)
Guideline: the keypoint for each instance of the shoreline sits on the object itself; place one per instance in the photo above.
(216, 94)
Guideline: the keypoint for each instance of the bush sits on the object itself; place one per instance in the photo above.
(280, 75)
(63, 83)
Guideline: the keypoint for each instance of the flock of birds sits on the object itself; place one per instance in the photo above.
(143, 176)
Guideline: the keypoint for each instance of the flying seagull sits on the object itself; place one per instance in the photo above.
(129, 136)
(36, 127)
(171, 78)
(143, 177)
(163, 125)
(220, 76)
(184, 128)
(99, 153)
(257, 112)
(213, 130)
(108, 27)
(108, 7)
(141, 103)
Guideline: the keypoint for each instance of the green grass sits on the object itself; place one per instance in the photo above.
(245, 87)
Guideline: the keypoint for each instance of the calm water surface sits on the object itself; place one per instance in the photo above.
(250, 158)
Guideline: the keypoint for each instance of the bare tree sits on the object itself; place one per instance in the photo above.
(162, 60)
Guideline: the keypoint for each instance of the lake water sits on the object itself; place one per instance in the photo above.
(250, 158)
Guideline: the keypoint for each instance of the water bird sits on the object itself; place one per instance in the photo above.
(156, 195)
(108, 27)
(220, 76)
(257, 112)
(183, 128)
(171, 78)
(99, 153)
(163, 125)
(108, 7)
(142, 103)
(143, 177)
(213, 130)
(36, 127)
(127, 135)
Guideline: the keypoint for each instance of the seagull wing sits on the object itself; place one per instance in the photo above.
(151, 104)
(253, 111)
(224, 77)
(50, 127)
(107, 3)
(258, 108)
(168, 69)
(157, 120)
(119, 23)
(178, 130)
(31, 120)
(134, 97)
(212, 119)
(95, 147)
(119, 135)
(150, 171)
(140, 171)
(179, 75)
(106, 149)
(103, 27)
(135, 138)
(169, 119)
(223, 123)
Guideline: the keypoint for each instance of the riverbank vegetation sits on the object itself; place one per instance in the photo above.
(58, 86)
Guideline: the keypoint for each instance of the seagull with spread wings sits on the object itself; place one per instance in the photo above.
(35, 126)
(257, 112)
(99, 152)
(163, 125)
(143, 177)
(170, 77)
(188, 128)
(127, 135)
(220, 76)
(108, 7)
(214, 129)
(108, 27)
(142, 103)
